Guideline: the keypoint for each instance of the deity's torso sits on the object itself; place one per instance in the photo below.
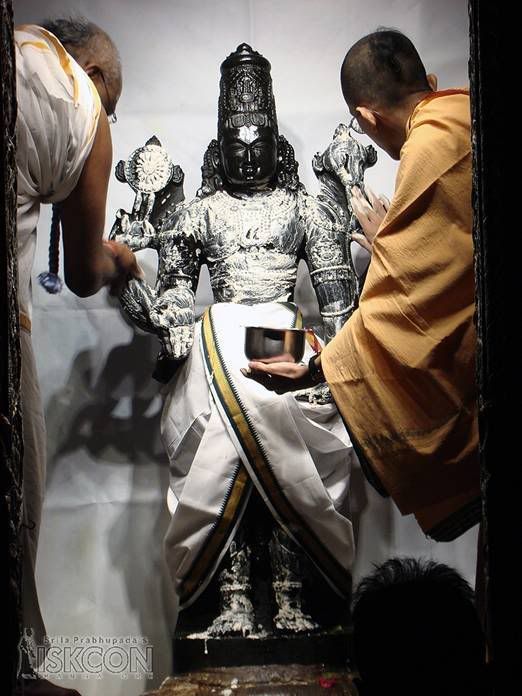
(250, 242)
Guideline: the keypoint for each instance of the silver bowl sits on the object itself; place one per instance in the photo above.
(274, 345)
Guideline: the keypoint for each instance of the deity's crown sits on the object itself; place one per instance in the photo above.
(245, 91)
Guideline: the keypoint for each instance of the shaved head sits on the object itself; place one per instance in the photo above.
(381, 70)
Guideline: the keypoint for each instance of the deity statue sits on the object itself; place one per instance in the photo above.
(244, 459)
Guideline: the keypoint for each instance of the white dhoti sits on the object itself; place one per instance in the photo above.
(34, 470)
(225, 433)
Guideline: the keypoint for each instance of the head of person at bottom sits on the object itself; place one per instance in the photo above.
(416, 632)
(94, 50)
(383, 78)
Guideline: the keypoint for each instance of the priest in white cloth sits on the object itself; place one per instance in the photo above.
(63, 157)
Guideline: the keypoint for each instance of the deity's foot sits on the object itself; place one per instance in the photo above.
(236, 617)
(291, 618)
(294, 622)
(285, 558)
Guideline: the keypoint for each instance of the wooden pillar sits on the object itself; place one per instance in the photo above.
(495, 84)
(11, 448)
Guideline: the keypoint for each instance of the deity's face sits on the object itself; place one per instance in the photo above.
(249, 156)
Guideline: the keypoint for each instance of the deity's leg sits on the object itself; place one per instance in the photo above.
(285, 559)
(236, 616)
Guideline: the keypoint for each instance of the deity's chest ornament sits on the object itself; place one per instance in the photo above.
(251, 221)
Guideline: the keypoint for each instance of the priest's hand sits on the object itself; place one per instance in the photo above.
(280, 377)
(370, 214)
(121, 265)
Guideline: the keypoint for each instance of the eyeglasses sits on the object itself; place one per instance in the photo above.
(354, 125)
(112, 118)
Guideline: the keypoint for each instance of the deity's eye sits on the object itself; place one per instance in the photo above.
(236, 149)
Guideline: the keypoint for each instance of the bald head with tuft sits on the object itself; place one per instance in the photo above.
(382, 70)
(95, 51)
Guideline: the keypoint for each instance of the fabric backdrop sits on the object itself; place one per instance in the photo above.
(100, 560)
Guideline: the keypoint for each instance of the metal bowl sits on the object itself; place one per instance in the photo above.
(274, 345)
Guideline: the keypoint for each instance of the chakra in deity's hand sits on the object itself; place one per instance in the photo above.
(149, 168)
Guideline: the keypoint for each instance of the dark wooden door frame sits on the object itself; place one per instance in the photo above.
(11, 448)
(497, 270)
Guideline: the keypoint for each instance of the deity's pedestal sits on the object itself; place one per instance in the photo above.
(329, 648)
(293, 680)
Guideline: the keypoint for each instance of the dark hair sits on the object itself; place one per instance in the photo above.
(382, 68)
(415, 624)
(73, 31)
(78, 32)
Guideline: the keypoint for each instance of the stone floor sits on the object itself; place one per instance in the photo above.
(266, 680)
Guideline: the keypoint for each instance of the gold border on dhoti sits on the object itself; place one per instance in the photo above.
(209, 556)
(260, 469)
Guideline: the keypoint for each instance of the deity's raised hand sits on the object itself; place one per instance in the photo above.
(158, 185)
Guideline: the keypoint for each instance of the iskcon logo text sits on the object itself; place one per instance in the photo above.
(85, 657)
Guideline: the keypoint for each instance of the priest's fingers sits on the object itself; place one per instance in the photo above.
(362, 241)
(372, 198)
(361, 213)
(369, 224)
(290, 370)
(280, 377)
(359, 201)
(369, 218)
(385, 202)
(279, 385)
(125, 266)
(376, 203)
(373, 209)
(263, 378)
